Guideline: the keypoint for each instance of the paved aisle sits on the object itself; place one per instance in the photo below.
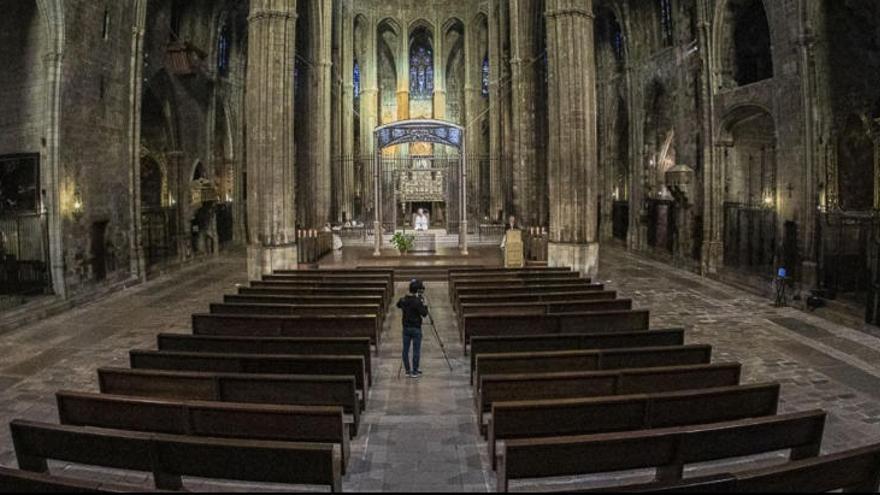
(420, 435)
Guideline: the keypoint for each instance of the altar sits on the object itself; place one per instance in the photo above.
(421, 187)
(425, 242)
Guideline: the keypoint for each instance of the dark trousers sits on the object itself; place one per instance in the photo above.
(412, 336)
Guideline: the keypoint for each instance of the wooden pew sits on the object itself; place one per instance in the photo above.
(339, 283)
(575, 294)
(572, 385)
(344, 271)
(590, 360)
(545, 307)
(574, 341)
(537, 288)
(541, 308)
(852, 471)
(276, 309)
(596, 322)
(376, 300)
(346, 326)
(668, 450)
(497, 269)
(353, 280)
(169, 457)
(275, 364)
(270, 345)
(562, 417)
(327, 274)
(17, 481)
(315, 292)
(522, 273)
(342, 287)
(296, 390)
(318, 424)
(455, 285)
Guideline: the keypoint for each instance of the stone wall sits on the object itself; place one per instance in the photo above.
(95, 151)
(23, 44)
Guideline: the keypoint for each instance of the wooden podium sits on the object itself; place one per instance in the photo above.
(513, 249)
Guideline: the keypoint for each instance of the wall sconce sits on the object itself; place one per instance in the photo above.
(769, 201)
(171, 201)
(78, 206)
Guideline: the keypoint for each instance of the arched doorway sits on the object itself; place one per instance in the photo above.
(750, 191)
(658, 210)
(420, 178)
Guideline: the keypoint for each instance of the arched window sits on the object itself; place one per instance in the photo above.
(667, 33)
(485, 79)
(421, 67)
(177, 7)
(617, 41)
(751, 38)
(356, 79)
(223, 52)
(106, 27)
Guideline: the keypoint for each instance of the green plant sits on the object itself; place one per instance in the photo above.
(403, 242)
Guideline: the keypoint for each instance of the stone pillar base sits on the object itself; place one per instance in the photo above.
(583, 258)
(713, 257)
(263, 260)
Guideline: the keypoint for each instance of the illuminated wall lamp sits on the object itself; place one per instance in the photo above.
(78, 206)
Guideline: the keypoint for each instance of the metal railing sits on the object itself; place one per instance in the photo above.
(24, 254)
(313, 245)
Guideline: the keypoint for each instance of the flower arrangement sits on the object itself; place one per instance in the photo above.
(403, 242)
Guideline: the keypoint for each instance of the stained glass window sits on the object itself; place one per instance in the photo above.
(615, 34)
(486, 77)
(223, 52)
(356, 79)
(421, 73)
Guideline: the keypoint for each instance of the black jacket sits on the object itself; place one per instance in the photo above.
(413, 310)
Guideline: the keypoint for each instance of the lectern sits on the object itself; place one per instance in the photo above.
(513, 249)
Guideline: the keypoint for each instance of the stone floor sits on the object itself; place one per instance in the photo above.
(420, 435)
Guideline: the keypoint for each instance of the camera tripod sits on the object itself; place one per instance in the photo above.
(436, 335)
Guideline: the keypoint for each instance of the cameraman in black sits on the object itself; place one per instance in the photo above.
(413, 307)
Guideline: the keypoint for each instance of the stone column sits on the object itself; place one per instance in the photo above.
(136, 81)
(271, 201)
(320, 129)
(347, 76)
(496, 191)
(369, 113)
(573, 171)
(522, 35)
(183, 197)
(471, 118)
(440, 59)
(812, 121)
(403, 76)
(713, 177)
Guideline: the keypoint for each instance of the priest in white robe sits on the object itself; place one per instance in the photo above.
(421, 221)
